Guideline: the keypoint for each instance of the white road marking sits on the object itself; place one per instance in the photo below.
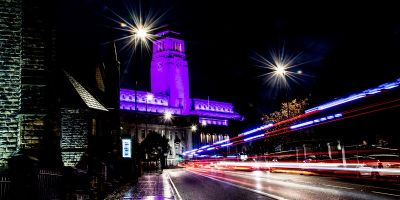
(336, 186)
(376, 192)
(173, 186)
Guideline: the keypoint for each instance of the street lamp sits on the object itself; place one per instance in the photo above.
(167, 118)
(138, 33)
(193, 128)
(281, 72)
(149, 97)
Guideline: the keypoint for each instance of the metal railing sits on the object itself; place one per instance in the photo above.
(5, 187)
(50, 184)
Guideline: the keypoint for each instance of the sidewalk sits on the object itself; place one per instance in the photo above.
(150, 186)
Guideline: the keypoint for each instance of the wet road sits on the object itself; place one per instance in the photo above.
(211, 184)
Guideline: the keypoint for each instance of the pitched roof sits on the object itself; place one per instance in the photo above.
(85, 95)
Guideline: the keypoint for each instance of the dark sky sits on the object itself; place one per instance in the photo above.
(349, 47)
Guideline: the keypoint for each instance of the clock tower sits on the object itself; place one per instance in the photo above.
(169, 70)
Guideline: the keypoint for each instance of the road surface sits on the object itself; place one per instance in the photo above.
(199, 184)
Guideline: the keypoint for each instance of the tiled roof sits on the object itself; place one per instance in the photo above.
(89, 99)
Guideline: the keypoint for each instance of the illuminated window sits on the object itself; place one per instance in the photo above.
(178, 47)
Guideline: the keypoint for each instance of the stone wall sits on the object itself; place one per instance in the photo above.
(75, 126)
(37, 59)
(10, 76)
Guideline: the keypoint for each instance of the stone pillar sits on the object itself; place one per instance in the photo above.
(10, 76)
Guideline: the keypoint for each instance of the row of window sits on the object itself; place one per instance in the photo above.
(212, 138)
(216, 108)
(132, 98)
(170, 134)
(176, 47)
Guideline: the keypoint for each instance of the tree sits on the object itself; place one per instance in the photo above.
(153, 147)
(288, 110)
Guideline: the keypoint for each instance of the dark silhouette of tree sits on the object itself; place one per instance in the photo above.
(288, 110)
(153, 148)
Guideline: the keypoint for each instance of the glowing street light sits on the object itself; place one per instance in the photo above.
(149, 97)
(139, 28)
(280, 70)
(280, 65)
(141, 33)
(167, 116)
(194, 128)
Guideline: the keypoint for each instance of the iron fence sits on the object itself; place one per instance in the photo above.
(5, 187)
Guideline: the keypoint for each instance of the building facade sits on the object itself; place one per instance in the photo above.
(170, 95)
(26, 58)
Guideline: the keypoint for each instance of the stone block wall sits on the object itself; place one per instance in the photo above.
(37, 54)
(75, 126)
(10, 76)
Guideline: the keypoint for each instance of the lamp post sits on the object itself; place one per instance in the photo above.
(281, 72)
(138, 34)
(149, 97)
(197, 140)
(167, 118)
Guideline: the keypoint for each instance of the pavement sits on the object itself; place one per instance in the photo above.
(150, 186)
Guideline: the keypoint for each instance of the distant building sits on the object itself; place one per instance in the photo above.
(170, 94)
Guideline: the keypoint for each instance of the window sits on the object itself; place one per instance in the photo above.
(178, 46)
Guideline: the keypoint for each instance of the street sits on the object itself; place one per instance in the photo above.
(194, 183)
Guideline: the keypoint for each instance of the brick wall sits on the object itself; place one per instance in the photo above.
(37, 49)
(10, 76)
(75, 128)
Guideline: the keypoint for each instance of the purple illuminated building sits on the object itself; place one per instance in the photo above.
(170, 93)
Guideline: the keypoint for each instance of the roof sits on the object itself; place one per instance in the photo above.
(85, 95)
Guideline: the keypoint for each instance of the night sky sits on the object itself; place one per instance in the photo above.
(346, 47)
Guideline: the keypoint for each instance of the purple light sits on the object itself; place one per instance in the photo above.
(253, 137)
(203, 147)
(211, 121)
(225, 145)
(385, 86)
(257, 129)
(302, 124)
(315, 121)
(211, 148)
(170, 86)
(222, 141)
(207, 105)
